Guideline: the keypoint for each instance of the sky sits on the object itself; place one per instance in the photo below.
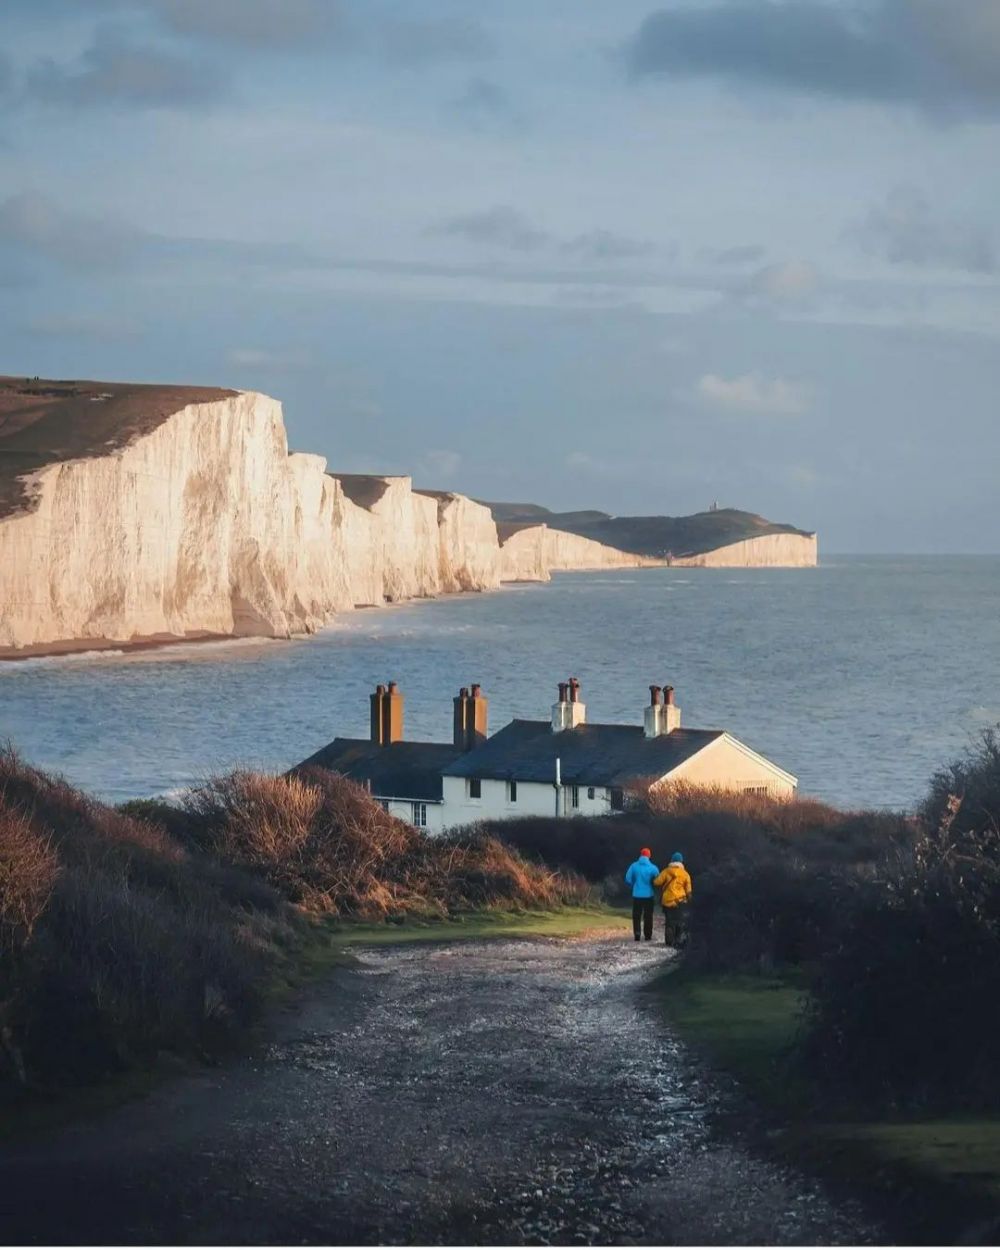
(626, 256)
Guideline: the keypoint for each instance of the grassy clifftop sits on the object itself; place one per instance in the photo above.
(646, 535)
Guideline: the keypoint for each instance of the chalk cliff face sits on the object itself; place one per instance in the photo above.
(144, 513)
(533, 553)
(767, 551)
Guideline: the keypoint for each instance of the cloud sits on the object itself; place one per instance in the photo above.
(746, 254)
(408, 42)
(75, 240)
(939, 56)
(753, 393)
(84, 326)
(115, 71)
(904, 231)
(785, 282)
(441, 464)
(256, 23)
(485, 105)
(501, 226)
(287, 360)
(606, 245)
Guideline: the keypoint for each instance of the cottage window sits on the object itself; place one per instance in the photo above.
(617, 800)
(384, 804)
(512, 791)
(420, 815)
(761, 790)
(575, 796)
(475, 788)
(591, 792)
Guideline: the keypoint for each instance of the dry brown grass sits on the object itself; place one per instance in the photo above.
(327, 845)
(28, 871)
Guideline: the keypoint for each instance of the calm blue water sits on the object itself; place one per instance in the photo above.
(860, 677)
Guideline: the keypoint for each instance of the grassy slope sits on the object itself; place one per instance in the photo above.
(748, 1024)
(567, 922)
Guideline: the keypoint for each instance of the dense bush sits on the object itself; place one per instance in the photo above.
(132, 931)
(906, 1001)
(327, 845)
(115, 942)
(770, 875)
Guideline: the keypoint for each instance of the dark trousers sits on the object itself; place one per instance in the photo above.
(675, 924)
(642, 911)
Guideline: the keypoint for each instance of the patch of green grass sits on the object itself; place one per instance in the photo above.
(565, 923)
(748, 1025)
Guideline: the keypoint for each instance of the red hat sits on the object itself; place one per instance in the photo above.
(646, 851)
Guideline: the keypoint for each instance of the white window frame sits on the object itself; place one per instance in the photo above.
(419, 814)
(474, 781)
(574, 796)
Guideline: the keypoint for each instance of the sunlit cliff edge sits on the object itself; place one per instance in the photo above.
(141, 512)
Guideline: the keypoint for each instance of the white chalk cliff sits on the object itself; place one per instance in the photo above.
(203, 523)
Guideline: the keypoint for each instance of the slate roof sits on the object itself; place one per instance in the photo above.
(403, 770)
(593, 755)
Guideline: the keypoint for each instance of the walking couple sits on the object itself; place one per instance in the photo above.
(675, 881)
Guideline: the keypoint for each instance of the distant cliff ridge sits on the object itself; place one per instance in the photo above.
(699, 539)
(132, 513)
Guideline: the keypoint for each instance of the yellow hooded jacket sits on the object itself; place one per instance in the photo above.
(675, 882)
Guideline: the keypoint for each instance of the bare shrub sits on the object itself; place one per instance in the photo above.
(28, 871)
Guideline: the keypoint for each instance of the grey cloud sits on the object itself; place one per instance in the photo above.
(36, 223)
(746, 254)
(606, 245)
(114, 71)
(940, 56)
(904, 230)
(261, 23)
(502, 227)
(441, 39)
(485, 105)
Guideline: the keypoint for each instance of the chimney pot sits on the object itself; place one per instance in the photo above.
(563, 687)
(668, 695)
(476, 690)
(393, 687)
(654, 696)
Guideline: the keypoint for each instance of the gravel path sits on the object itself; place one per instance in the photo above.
(486, 1092)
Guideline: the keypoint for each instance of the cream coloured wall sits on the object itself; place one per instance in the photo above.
(730, 765)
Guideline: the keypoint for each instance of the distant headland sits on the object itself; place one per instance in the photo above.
(135, 515)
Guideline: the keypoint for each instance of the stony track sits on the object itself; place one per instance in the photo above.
(485, 1092)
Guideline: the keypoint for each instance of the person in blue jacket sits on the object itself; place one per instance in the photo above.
(640, 876)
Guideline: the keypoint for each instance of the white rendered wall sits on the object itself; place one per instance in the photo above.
(403, 808)
(533, 799)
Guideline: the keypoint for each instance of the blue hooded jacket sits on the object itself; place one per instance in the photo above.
(640, 877)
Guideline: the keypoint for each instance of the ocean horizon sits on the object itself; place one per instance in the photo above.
(861, 676)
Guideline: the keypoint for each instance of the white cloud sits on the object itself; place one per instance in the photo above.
(786, 282)
(752, 392)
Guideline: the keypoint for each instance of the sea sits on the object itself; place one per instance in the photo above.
(861, 676)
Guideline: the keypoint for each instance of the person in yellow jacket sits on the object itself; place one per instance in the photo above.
(675, 882)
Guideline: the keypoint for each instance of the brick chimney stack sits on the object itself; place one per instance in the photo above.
(471, 718)
(387, 714)
(671, 712)
(570, 711)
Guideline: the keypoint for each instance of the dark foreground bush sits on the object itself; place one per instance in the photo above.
(116, 942)
(769, 874)
(906, 1001)
(124, 933)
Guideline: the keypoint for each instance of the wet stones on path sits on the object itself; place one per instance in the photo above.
(484, 1092)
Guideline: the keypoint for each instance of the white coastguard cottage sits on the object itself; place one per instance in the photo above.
(563, 766)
